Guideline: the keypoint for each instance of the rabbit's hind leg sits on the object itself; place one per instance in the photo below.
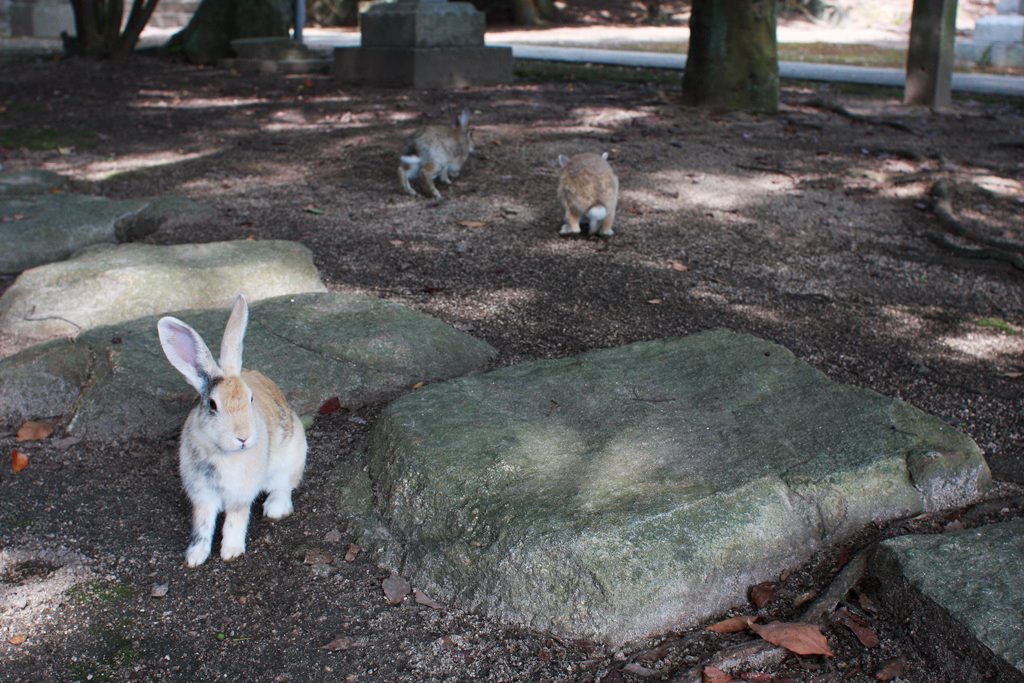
(406, 171)
(428, 172)
(571, 225)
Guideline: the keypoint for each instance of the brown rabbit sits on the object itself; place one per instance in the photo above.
(436, 152)
(587, 186)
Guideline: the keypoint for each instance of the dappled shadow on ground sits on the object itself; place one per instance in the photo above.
(807, 228)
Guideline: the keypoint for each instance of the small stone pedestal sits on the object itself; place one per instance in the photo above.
(998, 39)
(423, 44)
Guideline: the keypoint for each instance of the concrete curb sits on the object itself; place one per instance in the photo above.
(894, 78)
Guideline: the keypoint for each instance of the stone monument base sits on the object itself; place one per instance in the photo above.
(423, 67)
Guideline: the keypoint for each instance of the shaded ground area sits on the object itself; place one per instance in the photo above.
(811, 229)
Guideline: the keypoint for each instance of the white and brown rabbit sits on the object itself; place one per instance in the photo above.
(435, 153)
(241, 439)
(587, 186)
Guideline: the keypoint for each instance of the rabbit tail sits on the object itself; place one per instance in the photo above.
(411, 165)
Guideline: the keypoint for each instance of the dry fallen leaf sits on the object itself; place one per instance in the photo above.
(866, 603)
(18, 639)
(19, 461)
(858, 626)
(761, 594)
(801, 639)
(418, 385)
(318, 556)
(34, 431)
(472, 224)
(66, 442)
(395, 588)
(331, 405)
(653, 655)
(339, 643)
(679, 266)
(422, 598)
(639, 670)
(731, 625)
(352, 553)
(396, 243)
(890, 670)
(654, 301)
(713, 674)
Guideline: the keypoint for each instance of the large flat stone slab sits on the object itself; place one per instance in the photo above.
(109, 284)
(630, 491)
(114, 382)
(964, 593)
(45, 227)
(29, 182)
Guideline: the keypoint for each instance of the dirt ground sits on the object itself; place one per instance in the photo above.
(811, 228)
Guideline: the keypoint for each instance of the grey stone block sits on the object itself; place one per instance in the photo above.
(1003, 28)
(41, 19)
(1010, 7)
(278, 66)
(453, 67)
(422, 24)
(961, 596)
(279, 48)
(627, 492)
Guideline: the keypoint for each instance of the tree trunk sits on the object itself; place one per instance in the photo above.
(208, 36)
(98, 31)
(533, 12)
(733, 60)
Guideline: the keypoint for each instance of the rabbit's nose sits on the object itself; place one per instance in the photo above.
(243, 441)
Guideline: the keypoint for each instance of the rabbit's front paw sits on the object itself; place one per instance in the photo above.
(277, 505)
(229, 551)
(197, 554)
(568, 230)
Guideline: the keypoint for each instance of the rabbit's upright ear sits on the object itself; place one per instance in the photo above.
(187, 352)
(464, 118)
(234, 333)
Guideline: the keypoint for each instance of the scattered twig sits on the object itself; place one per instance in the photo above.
(818, 610)
(651, 399)
(29, 318)
(778, 170)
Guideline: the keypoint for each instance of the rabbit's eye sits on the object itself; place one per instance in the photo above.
(251, 399)
(213, 405)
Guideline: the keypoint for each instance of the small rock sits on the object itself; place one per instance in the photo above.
(395, 588)
(158, 590)
(315, 556)
(352, 553)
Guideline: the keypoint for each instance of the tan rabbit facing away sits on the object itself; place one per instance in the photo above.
(435, 153)
(587, 186)
(240, 440)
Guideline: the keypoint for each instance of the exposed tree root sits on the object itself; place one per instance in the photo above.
(836, 108)
(978, 245)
